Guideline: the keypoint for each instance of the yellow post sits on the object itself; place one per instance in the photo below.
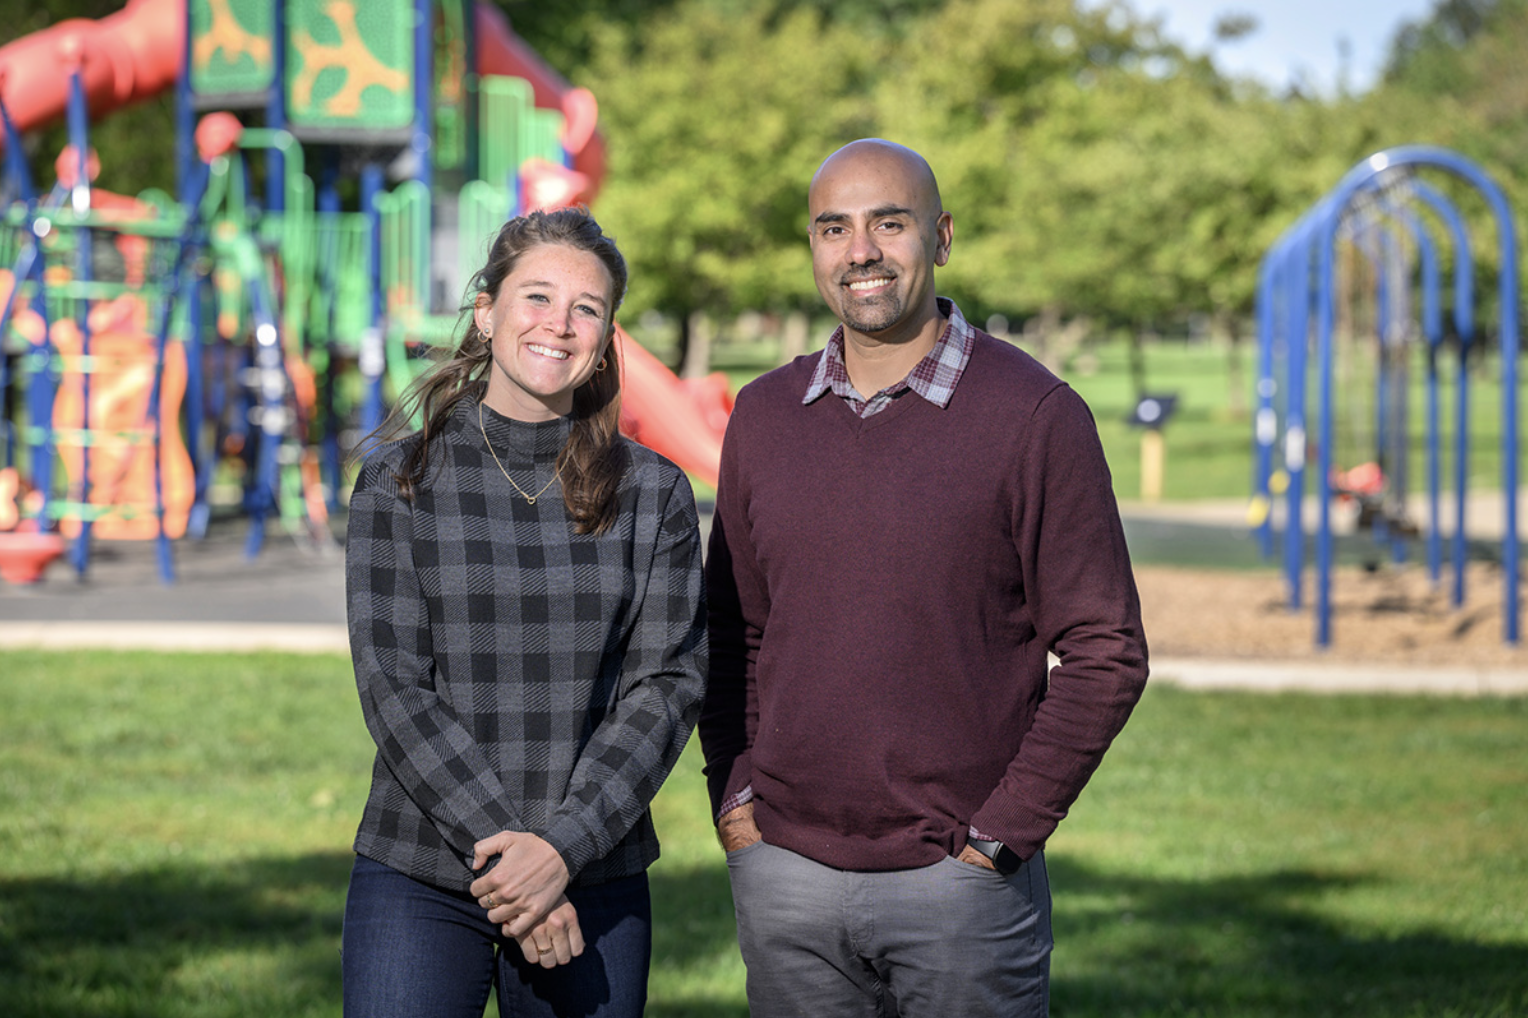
(1153, 461)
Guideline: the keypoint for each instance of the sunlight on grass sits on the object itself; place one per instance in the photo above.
(175, 831)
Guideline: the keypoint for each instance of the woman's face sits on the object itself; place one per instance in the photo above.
(547, 329)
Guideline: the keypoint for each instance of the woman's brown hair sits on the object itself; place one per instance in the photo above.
(592, 461)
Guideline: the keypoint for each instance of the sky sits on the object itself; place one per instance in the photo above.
(1296, 40)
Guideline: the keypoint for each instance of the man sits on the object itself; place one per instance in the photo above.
(906, 524)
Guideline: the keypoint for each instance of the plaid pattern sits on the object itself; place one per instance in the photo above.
(934, 377)
(513, 674)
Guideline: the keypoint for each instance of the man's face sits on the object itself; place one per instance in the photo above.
(877, 234)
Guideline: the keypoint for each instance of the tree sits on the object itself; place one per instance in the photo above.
(715, 125)
(1092, 168)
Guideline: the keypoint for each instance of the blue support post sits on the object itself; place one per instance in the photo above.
(328, 203)
(276, 111)
(1295, 434)
(79, 199)
(1464, 328)
(372, 356)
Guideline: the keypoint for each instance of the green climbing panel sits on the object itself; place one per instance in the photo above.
(350, 67)
(232, 50)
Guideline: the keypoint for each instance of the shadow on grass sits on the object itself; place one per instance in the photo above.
(1260, 945)
(257, 937)
(693, 927)
(692, 915)
(262, 938)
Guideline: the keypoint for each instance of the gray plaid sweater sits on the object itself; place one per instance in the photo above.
(516, 675)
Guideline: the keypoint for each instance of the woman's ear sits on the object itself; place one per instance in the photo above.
(482, 304)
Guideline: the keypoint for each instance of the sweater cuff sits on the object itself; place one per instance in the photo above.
(574, 843)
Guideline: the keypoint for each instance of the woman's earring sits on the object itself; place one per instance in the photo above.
(601, 366)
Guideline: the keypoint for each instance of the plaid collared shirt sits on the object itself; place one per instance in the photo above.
(934, 377)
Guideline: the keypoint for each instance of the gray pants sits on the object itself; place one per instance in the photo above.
(947, 939)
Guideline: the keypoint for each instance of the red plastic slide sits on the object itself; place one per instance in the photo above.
(682, 420)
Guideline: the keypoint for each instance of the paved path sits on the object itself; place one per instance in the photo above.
(291, 598)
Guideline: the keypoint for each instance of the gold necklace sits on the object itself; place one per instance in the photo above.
(530, 499)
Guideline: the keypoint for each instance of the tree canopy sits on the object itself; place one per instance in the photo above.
(1092, 166)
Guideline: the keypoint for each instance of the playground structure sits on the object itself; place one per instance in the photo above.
(340, 173)
(1377, 227)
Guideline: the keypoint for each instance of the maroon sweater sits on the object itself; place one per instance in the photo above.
(882, 596)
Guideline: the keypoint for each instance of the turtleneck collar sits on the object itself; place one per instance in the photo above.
(522, 440)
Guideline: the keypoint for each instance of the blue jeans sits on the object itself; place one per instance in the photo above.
(410, 950)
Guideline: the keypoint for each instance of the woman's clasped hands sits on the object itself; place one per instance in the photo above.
(524, 894)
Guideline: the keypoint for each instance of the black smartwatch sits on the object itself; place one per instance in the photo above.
(1004, 860)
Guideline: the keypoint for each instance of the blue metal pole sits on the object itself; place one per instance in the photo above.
(1324, 443)
(1383, 389)
(1295, 435)
(20, 183)
(1432, 332)
(79, 137)
(372, 356)
(276, 111)
(1464, 328)
(41, 389)
(328, 202)
(271, 397)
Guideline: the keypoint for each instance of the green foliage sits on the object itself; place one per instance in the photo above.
(175, 830)
(1093, 167)
(1427, 54)
(716, 122)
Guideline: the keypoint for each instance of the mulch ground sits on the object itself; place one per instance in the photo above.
(1392, 614)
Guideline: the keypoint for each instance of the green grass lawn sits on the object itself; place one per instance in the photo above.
(174, 835)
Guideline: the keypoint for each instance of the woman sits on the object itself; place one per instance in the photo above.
(528, 633)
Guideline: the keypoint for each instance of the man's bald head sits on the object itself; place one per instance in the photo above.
(878, 156)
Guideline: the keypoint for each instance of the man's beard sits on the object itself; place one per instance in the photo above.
(879, 314)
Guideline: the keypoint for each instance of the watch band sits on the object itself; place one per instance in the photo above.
(1004, 859)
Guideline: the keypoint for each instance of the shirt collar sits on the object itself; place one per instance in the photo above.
(934, 377)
